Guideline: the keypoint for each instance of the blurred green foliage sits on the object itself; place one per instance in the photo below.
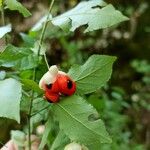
(124, 103)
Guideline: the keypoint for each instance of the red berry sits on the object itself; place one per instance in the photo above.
(52, 97)
(66, 85)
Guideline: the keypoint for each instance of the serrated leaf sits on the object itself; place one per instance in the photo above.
(93, 74)
(18, 58)
(4, 30)
(10, 97)
(15, 5)
(72, 114)
(90, 13)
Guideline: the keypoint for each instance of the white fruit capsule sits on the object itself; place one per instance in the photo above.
(49, 77)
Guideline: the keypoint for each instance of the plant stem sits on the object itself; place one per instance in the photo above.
(46, 61)
(43, 31)
(30, 111)
(34, 73)
(39, 111)
(3, 19)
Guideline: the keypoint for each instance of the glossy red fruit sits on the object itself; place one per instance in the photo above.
(63, 85)
(52, 92)
(52, 97)
(66, 85)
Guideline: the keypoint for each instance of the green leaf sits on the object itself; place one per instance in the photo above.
(10, 97)
(19, 58)
(93, 74)
(28, 41)
(32, 85)
(18, 137)
(60, 141)
(48, 128)
(15, 5)
(96, 14)
(73, 115)
(40, 110)
(4, 30)
(1, 2)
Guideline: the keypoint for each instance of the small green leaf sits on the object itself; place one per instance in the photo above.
(4, 30)
(93, 74)
(18, 58)
(15, 5)
(28, 40)
(96, 14)
(10, 97)
(73, 115)
(32, 85)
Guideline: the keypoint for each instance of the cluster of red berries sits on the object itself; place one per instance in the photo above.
(56, 83)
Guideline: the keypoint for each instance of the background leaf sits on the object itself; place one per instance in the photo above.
(48, 128)
(92, 14)
(60, 141)
(73, 114)
(19, 58)
(4, 30)
(10, 97)
(32, 85)
(18, 137)
(15, 5)
(93, 74)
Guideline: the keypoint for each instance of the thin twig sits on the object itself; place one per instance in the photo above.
(39, 111)
(30, 111)
(3, 19)
(46, 61)
(43, 31)
(34, 73)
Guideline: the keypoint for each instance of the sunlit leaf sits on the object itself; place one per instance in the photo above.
(96, 14)
(93, 74)
(10, 97)
(18, 58)
(4, 30)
